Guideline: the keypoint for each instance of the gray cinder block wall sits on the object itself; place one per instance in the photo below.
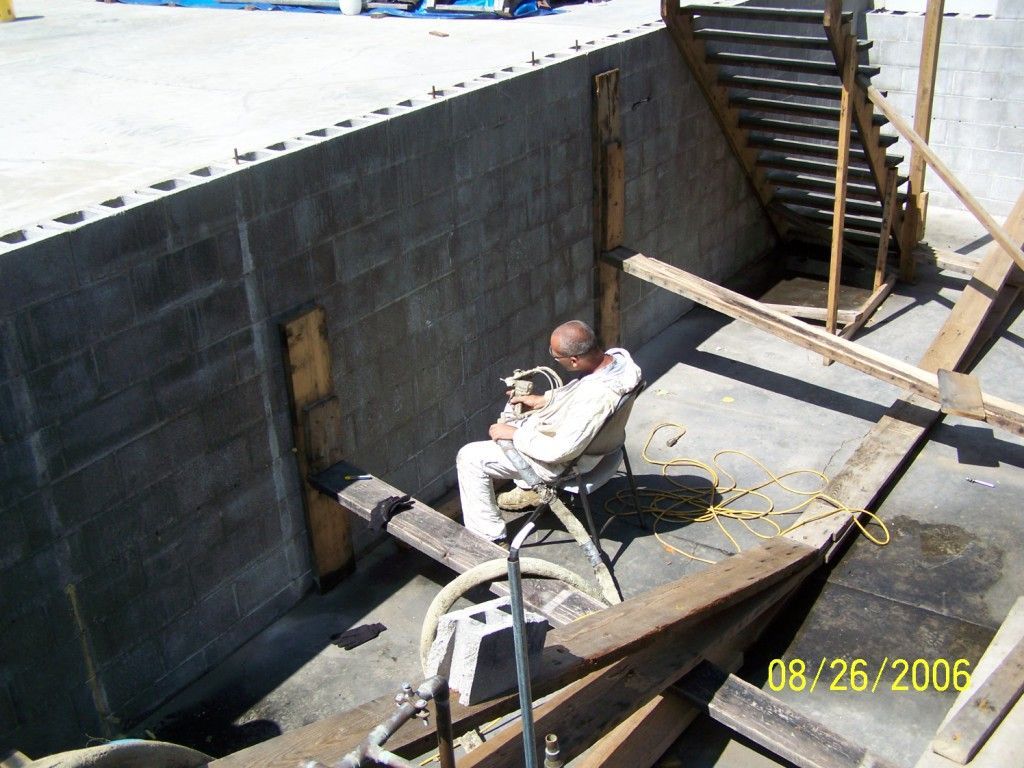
(977, 128)
(150, 507)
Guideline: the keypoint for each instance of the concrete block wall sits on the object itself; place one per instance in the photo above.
(149, 502)
(976, 118)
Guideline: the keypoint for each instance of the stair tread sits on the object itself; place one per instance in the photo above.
(764, 38)
(732, 59)
(825, 201)
(853, 220)
(757, 103)
(774, 125)
(827, 170)
(800, 15)
(776, 144)
(791, 180)
(752, 82)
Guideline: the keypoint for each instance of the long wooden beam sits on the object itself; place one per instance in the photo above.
(849, 69)
(785, 731)
(445, 540)
(926, 72)
(944, 172)
(998, 412)
(609, 181)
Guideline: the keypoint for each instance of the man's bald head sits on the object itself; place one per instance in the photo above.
(575, 339)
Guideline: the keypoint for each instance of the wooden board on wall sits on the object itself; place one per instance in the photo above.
(609, 201)
(315, 425)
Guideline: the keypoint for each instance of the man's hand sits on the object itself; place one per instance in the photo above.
(501, 431)
(530, 402)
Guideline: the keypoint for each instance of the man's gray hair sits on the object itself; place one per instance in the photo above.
(577, 338)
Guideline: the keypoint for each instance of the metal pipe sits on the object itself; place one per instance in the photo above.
(410, 703)
(552, 752)
(438, 689)
(519, 636)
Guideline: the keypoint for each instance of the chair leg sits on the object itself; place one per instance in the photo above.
(632, 487)
(585, 500)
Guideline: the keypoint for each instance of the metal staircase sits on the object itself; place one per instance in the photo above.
(774, 80)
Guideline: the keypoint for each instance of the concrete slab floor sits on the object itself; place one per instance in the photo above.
(105, 98)
(937, 591)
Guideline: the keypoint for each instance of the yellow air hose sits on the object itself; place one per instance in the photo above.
(723, 499)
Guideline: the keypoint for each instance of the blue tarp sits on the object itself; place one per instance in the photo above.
(526, 8)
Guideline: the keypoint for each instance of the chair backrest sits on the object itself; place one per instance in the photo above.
(612, 434)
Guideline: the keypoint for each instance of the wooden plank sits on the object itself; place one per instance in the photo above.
(843, 316)
(988, 280)
(609, 200)
(842, 170)
(943, 171)
(961, 394)
(725, 599)
(926, 72)
(308, 363)
(889, 204)
(788, 733)
(445, 540)
(1005, 746)
(643, 737)
(806, 298)
(998, 412)
(322, 423)
(870, 307)
(966, 732)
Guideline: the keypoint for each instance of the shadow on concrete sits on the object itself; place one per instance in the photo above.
(209, 718)
(974, 245)
(788, 386)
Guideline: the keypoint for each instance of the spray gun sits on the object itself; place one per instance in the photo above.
(521, 384)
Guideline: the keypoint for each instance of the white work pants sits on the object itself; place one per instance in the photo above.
(478, 465)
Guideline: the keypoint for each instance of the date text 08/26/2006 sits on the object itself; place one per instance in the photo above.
(860, 676)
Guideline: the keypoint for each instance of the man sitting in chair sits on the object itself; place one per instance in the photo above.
(554, 430)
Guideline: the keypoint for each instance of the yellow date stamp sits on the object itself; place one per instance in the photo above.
(860, 676)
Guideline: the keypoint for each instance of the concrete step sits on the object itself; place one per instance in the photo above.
(818, 111)
(810, 130)
(763, 38)
(855, 222)
(807, 149)
(810, 167)
(752, 83)
(796, 15)
(732, 59)
(792, 180)
(824, 202)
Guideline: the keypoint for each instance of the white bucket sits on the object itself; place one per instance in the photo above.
(351, 7)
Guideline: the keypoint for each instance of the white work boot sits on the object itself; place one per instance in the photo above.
(518, 498)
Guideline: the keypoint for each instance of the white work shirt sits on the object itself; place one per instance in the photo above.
(558, 432)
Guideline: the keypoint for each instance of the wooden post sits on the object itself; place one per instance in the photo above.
(923, 106)
(889, 203)
(842, 171)
(609, 201)
(315, 424)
